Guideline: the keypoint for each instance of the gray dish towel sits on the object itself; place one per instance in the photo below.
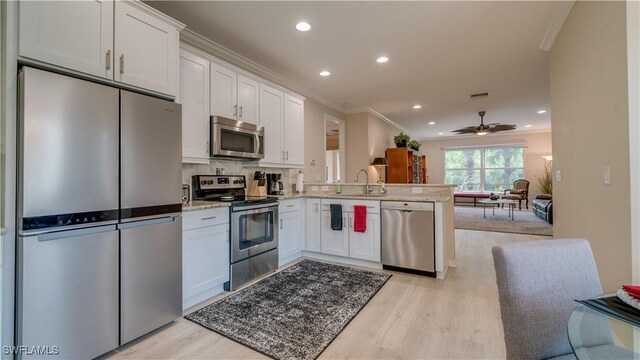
(336, 216)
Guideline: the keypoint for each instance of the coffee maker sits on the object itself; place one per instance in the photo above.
(274, 184)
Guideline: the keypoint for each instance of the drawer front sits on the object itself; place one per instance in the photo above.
(286, 206)
(202, 218)
(373, 206)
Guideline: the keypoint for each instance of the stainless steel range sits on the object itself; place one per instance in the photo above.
(253, 226)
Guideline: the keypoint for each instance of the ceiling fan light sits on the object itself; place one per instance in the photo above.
(482, 133)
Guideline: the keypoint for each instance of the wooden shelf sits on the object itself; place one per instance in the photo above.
(405, 166)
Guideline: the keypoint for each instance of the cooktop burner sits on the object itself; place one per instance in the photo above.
(226, 188)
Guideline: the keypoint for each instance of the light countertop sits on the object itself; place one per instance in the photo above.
(201, 205)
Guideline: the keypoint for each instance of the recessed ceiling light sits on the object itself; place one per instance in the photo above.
(529, 125)
(303, 26)
(432, 122)
(542, 111)
(324, 73)
(417, 106)
(440, 133)
(382, 59)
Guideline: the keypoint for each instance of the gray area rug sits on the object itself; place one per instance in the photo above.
(470, 218)
(293, 314)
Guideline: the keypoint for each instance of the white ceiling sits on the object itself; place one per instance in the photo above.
(440, 53)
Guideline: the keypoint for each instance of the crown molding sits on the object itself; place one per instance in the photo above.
(155, 13)
(387, 120)
(210, 47)
(560, 16)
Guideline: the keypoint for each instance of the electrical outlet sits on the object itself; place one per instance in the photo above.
(558, 175)
(416, 190)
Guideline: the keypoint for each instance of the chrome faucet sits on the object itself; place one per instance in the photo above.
(366, 174)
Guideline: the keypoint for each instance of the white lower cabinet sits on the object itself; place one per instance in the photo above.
(205, 254)
(313, 227)
(290, 234)
(346, 242)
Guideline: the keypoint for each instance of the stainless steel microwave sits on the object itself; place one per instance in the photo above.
(236, 139)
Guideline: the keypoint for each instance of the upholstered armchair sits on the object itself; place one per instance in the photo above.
(520, 191)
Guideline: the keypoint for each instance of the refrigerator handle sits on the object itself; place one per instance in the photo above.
(72, 233)
(135, 224)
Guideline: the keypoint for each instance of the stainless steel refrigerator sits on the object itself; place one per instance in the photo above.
(99, 203)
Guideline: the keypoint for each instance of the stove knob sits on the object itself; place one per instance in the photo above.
(203, 182)
(210, 182)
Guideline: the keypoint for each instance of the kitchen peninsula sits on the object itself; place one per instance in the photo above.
(304, 231)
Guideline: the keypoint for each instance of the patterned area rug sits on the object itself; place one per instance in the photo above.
(470, 218)
(293, 314)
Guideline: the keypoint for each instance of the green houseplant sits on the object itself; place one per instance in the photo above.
(401, 140)
(546, 185)
(414, 144)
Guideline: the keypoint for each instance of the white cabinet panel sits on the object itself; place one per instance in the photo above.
(205, 261)
(223, 91)
(290, 237)
(271, 114)
(293, 130)
(146, 50)
(313, 226)
(76, 35)
(366, 245)
(194, 97)
(334, 242)
(248, 96)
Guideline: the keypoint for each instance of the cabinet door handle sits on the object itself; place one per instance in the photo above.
(287, 155)
(351, 223)
(122, 64)
(240, 111)
(283, 158)
(209, 218)
(280, 224)
(235, 110)
(108, 56)
(317, 207)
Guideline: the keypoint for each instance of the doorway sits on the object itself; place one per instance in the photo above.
(334, 145)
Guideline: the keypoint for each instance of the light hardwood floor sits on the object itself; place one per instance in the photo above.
(411, 317)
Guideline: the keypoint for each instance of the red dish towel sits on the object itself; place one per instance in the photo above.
(360, 218)
(632, 290)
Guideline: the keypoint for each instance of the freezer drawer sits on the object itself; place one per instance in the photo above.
(151, 156)
(68, 292)
(150, 275)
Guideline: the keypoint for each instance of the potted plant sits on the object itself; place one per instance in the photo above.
(401, 140)
(546, 185)
(414, 144)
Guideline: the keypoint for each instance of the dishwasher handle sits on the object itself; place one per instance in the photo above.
(407, 206)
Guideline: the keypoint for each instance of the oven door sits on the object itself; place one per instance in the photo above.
(236, 142)
(254, 230)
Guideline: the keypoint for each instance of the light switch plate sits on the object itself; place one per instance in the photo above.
(558, 175)
(416, 190)
(606, 175)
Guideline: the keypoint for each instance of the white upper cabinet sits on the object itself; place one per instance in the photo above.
(146, 49)
(271, 115)
(224, 95)
(248, 99)
(293, 130)
(123, 41)
(194, 97)
(76, 35)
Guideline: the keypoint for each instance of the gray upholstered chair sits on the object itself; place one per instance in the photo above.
(538, 282)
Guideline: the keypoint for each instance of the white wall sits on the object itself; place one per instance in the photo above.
(314, 147)
(590, 127)
(538, 144)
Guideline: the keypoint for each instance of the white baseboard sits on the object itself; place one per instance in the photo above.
(453, 263)
(342, 260)
(202, 297)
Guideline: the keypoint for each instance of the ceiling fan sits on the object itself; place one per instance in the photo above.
(483, 129)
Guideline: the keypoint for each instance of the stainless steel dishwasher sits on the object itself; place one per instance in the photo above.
(408, 237)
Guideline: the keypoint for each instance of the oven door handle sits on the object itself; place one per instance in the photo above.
(254, 207)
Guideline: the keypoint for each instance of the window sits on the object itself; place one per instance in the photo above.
(484, 169)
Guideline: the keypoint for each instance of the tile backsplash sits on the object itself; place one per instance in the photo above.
(234, 167)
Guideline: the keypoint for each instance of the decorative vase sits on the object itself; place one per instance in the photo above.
(494, 197)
